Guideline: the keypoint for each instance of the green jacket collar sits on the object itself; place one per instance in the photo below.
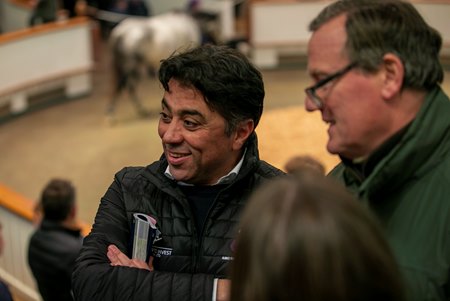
(422, 146)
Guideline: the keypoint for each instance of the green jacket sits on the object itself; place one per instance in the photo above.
(409, 190)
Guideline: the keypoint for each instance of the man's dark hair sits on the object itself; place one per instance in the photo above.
(57, 199)
(377, 27)
(230, 84)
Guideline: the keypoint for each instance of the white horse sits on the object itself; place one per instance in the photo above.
(139, 44)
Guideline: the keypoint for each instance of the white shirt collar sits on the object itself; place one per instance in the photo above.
(223, 180)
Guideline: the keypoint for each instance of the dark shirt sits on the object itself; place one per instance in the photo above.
(201, 198)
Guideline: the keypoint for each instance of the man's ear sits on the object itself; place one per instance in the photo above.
(243, 131)
(394, 72)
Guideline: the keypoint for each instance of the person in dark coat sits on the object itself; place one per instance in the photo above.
(212, 103)
(44, 11)
(55, 245)
(138, 8)
(377, 75)
(69, 5)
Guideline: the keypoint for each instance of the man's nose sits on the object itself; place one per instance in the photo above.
(173, 133)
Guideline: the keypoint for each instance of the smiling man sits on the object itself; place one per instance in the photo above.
(212, 103)
(196, 145)
(376, 71)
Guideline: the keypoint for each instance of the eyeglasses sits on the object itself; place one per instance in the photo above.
(311, 91)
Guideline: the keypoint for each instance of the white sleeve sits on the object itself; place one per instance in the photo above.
(214, 296)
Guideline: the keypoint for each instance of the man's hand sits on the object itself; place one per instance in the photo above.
(223, 290)
(117, 258)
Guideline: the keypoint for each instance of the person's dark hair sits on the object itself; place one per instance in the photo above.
(230, 84)
(304, 237)
(377, 27)
(57, 199)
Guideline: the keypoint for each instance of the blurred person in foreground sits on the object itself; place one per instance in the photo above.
(212, 103)
(56, 243)
(304, 237)
(377, 74)
(5, 293)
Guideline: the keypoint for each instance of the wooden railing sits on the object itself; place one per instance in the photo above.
(17, 216)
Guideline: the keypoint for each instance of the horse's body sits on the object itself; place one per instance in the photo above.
(139, 44)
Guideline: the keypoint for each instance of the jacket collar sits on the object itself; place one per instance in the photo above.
(48, 225)
(363, 169)
(421, 147)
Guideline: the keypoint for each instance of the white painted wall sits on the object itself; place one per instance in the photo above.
(46, 54)
(162, 6)
(38, 61)
(279, 27)
(438, 16)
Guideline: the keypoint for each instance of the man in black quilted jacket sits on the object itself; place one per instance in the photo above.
(212, 103)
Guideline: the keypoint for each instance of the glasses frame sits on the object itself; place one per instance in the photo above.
(311, 91)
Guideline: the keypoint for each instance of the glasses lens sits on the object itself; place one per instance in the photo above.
(311, 93)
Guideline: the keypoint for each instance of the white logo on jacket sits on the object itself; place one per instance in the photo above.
(160, 251)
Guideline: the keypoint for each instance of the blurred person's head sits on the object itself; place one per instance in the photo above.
(212, 103)
(372, 63)
(304, 163)
(58, 200)
(303, 237)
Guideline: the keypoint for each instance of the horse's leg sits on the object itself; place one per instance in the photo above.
(133, 83)
(120, 83)
(119, 75)
(132, 90)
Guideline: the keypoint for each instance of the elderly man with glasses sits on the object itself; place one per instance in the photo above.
(377, 78)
